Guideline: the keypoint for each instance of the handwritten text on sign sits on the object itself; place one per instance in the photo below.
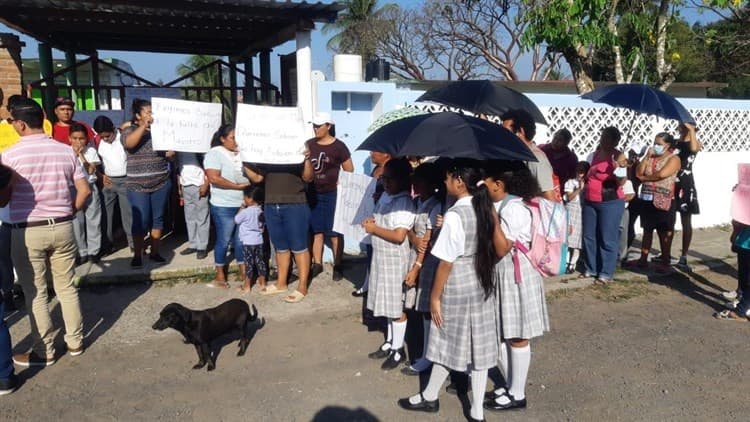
(354, 203)
(271, 135)
(185, 126)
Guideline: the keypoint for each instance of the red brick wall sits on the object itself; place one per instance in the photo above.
(10, 64)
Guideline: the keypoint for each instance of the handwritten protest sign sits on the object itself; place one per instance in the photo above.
(185, 126)
(271, 135)
(354, 203)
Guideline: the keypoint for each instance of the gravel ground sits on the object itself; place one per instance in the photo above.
(635, 351)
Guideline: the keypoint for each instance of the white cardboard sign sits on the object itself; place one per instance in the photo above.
(271, 135)
(185, 126)
(354, 203)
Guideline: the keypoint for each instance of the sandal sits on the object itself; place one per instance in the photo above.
(600, 282)
(729, 315)
(271, 290)
(244, 290)
(584, 275)
(295, 297)
(218, 285)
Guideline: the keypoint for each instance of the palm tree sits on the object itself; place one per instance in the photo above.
(357, 27)
(210, 77)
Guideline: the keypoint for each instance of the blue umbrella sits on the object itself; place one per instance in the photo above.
(642, 99)
(448, 135)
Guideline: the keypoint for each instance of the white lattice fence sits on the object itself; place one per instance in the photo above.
(720, 130)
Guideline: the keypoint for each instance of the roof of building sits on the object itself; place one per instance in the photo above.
(235, 28)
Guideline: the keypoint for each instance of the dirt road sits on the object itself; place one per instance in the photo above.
(635, 352)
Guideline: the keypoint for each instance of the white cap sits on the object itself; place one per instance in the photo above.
(322, 118)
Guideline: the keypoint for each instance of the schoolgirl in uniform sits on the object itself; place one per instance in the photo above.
(463, 334)
(393, 218)
(522, 309)
(427, 183)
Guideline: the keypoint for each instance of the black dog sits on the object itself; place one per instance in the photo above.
(201, 327)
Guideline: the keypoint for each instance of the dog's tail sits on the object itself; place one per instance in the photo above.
(253, 314)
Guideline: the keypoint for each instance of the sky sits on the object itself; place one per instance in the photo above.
(162, 66)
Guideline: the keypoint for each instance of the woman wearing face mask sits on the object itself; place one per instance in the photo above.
(603, 206)
(657, 172)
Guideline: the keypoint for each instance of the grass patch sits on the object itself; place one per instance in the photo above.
(560, 294)
(622, 290)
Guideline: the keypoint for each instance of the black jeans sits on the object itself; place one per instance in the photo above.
(743, 280)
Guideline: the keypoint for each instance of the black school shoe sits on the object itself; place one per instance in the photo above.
(201, 254)
(422, 406)
(380, 353)
(491, 404)
(315, 270)
(393, 362)
(337, 275)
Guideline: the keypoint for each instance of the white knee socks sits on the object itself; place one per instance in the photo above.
(437, 378)
(399, 332)
(478, 387)
(389, 334)
(520, 359)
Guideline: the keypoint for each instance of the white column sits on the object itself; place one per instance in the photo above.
(304, 80)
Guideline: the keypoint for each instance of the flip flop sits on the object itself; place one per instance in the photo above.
(295, 297)
(271, 290)
(243, 290)
(729, 315)
(216, 285)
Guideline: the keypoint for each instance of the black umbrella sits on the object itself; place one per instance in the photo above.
(447, 135)
(642, 99)
(482, 97)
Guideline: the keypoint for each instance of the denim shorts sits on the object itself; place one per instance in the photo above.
(288, 226)
(321, 215)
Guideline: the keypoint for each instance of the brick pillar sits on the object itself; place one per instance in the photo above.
(11, 75)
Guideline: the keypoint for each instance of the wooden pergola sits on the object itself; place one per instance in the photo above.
(237, 29)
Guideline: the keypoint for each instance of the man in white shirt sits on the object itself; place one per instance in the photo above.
(114, 161)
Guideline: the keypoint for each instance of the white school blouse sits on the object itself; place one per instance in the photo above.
(450, 242)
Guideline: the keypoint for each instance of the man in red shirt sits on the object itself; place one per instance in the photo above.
(64, 112)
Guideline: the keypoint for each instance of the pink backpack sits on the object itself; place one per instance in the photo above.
(549, 238)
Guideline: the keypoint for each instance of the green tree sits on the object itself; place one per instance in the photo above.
(574, 28)
(579, 29)
(357, 27)
(728, 41)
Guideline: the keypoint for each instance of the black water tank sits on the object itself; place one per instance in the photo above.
(378, 69)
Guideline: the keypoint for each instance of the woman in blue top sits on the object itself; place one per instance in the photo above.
(225, 174)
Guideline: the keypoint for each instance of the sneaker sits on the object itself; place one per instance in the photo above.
(730, 295)
(31, 359)
(201, 254)
(136, 262)
(8, 385)
(338, 275)
(188, 251)
(75, 352)
(315, 270)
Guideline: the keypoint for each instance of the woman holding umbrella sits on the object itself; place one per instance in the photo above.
(603, 207)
